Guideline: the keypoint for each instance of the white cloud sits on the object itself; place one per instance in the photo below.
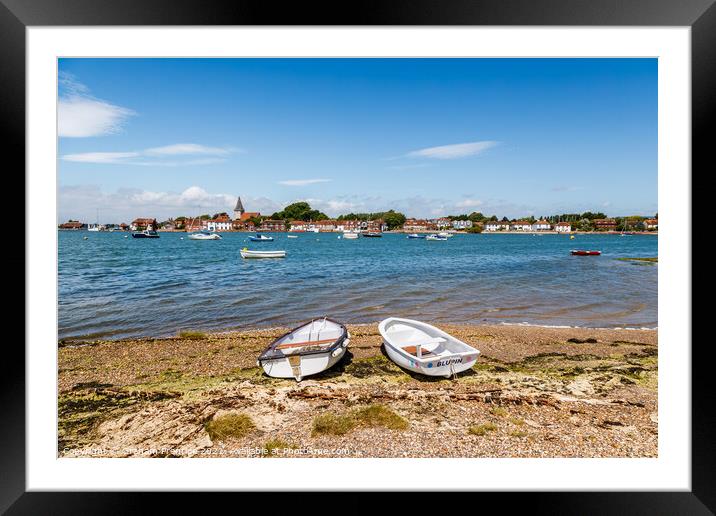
(302, 182)
(153, 156)
(79, 115)
(100, 157)
(469, 203)
(188, 148)
(454, 151)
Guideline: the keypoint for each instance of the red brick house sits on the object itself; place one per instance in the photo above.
(605, 224)
(273, 225)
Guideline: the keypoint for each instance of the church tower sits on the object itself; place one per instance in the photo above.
(238, 209)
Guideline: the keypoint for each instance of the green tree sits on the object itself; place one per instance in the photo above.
(393, 219)
(299, 211)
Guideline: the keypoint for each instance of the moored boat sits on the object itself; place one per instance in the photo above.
(425, 349)
(415, 235)
(204, 235)
(261, 238)
(372, 234)
(435, 237)
(147, 233)
(247, 253)
(306, 350)
(584, 252)
(350, 235)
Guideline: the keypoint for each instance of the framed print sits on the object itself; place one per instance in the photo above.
(421, 248)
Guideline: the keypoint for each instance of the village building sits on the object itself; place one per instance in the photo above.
(195, 224)
(374, 226)
(273, 225)
(541, 225)
(497, 225)
(462, 224)
(563, 227)
(443, 223)
(325, 225)
(418, 225)
(143, 223)
(521, 225)
(220, 223)
(605, 224)
(242, 215)
(71, 224)
(299, 226)
(651, 224)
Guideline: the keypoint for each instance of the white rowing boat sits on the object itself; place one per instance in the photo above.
(309, 349)
(425, 349)
(204, 235)
(246, 253)
(350, 235)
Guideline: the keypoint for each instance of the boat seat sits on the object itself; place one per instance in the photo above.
(307, 343)
(413, 348)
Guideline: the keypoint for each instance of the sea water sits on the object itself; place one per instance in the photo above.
(114, 287)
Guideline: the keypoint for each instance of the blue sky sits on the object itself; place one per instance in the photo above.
(429, 137)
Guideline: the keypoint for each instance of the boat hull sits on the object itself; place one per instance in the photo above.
(585, 253)
(440, 353)
(262, 254)
(306, 350)
(438, 367)
(204, 237)
(309, 364)
(143, 235)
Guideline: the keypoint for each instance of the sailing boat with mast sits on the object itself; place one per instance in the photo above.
(95, 226)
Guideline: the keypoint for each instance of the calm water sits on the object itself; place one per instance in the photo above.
(111, 286)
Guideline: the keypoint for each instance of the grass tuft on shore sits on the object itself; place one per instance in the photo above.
(273, 447)
(332, 424)
(482, 429)
(370, 416)
(192, 335)
(229, 426)
(380, 415)
(498, 411)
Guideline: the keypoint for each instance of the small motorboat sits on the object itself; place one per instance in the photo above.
(435, 237)
(204, 235)
(147, 233)
(246, 253)
(446, 235)
(291, 236)
(422, 348)
(261, 238)
(415, 235)
(372, 234)
(309, 349)
(350, 235)
(583, 252)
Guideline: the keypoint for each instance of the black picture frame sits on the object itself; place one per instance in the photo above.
(17, 15)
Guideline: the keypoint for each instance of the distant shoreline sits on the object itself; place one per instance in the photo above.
(401, 231)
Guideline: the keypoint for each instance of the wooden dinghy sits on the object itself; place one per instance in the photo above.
(309, 349)
(246, 253)
(425, 349)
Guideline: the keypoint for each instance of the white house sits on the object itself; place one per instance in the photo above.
(541, 225)
(563, 227)
(521, 225)
(461, 224)
(651, 224)
(496, 225)
(215, 225)
(443, 223)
